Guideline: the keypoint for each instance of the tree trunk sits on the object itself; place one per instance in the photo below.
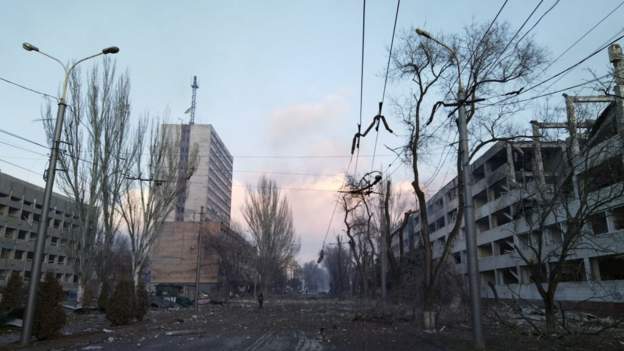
(550, 311)
(429, 314)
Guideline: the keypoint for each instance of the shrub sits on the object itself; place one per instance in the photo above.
(12, 294)
(49, 312)
(142, 301)
(120, 309)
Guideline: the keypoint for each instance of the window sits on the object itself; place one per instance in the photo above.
(21, 235)
(51, 259)
(19, 254)
(611, 267)
(5, 253)
(618, 218)
(61, 260)
(598, 223)
(54, 241)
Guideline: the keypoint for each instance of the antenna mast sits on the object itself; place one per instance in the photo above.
(193, 101)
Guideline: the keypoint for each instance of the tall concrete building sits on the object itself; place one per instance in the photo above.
(20, 214)
(508, 179)
(210, 186)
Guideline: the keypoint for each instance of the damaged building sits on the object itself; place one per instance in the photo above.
(508, 182)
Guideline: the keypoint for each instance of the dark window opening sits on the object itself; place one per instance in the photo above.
(611, 267)
(598, 222)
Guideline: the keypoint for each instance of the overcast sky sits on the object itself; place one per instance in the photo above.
(276, 77)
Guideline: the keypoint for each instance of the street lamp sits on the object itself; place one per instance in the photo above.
(469, 215)
(43, 224)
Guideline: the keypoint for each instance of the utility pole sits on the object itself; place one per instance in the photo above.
(469, 224)
(617, 59)
(42, 229)
(469, 217)
(340, 284)
(384, 242)
(198, 267)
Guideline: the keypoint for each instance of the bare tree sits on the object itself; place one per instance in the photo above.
(269, 219)
(489, 60)
(151, 189)
(236, 259)
(93, 162)
(337, 262)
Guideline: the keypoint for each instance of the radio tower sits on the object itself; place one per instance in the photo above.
(193, 101)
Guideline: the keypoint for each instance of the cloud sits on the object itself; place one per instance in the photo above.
(304, 122)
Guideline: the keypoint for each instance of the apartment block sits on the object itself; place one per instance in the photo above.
(20, 214)
(210, 186)
(506, 181)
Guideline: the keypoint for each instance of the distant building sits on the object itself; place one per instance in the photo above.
(211, 184)
(174, 256)
(20, 214)
(594, 272)
(173, 260)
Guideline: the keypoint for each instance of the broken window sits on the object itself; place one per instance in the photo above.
(598, 222)
(510, 276)
(480, 199)
(485, 250)
(609, 172)
(504, 246)
(572, 271)
(611, 267)
(499, 188)
(501, 217)
(478, 174)
(499, 159)
(483, 224)
(618, 218)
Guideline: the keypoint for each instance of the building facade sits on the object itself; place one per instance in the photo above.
(20, 214)
(210, 186)
(507, 182)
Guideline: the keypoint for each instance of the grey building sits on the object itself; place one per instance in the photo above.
(506, 181)
(20, 214)
(210, 185)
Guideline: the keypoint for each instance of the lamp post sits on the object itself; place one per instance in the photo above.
(469, 215)
(35, 276)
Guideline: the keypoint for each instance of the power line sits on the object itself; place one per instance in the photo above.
(479, 44)
(357, 157)
(22, 138)
(583, 36)
(493, 64)
(23, 149)
(29, 89)
(396, 16)
(538, 21)
(20, 167)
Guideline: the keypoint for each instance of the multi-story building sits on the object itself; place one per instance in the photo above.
(507, 180)
(175, 253)
(210, 185)
(20, 214)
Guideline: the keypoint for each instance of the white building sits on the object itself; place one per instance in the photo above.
(505, 182)
(210, 186)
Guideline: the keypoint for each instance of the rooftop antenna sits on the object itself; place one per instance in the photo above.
(193, 101)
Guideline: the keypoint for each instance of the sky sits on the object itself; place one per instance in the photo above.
(277, 78)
